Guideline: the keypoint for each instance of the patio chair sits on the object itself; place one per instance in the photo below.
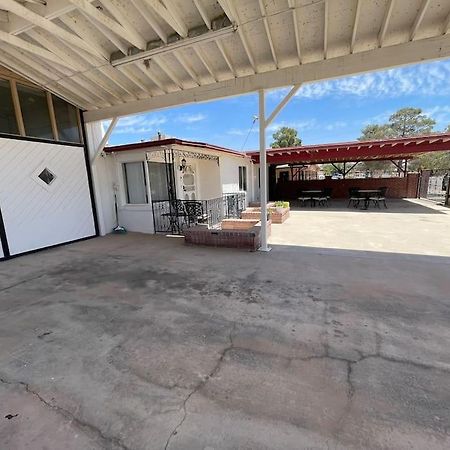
(354, 197)
(176, 215)
(195, 212)
(322, 198)
(381, 197)
(304, 198)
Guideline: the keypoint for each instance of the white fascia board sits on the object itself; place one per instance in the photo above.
(368, 61)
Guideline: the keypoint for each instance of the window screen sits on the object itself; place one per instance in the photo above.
(242, 178)
(36, 117)
(135, 186)
(66, 120)
(8, 123)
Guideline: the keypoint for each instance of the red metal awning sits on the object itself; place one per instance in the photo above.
(404, 148)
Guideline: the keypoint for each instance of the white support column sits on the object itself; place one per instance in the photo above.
(103, 142)
(263, 170)
(263, 124)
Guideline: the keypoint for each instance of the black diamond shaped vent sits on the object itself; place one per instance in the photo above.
(46, 176)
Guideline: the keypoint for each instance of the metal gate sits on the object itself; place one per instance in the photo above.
(438, 187)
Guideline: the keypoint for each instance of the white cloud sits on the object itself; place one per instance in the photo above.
(139, 124)
(191, 118)
(429, 79)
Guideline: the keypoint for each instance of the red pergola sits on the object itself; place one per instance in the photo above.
(388, 149)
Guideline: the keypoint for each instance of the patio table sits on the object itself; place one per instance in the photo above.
(367, 193)
(311, 193)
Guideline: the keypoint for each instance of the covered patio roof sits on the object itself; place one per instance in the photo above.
(389, 149)
(114, 58)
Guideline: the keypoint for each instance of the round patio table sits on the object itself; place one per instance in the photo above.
(367, 193)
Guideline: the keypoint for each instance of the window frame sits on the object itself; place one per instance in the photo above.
(243, 180)
(125, 191)
(50, 108)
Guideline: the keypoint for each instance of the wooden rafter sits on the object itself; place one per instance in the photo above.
(385, 23)
(167, 12)
(355, 25)
(262, 9)
(419, 18)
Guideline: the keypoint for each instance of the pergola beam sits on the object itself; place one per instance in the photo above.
(325, 29)
(296, 29)
(202, 11)
(201, 56)
(355, 25)
(91, 11)
(187, 67)
(268, 32)
(226, 57)
(104, 140)
(168, 14)
(282, 104)
(385, 23)
(150, 19)
(42, 22)
(419, 18)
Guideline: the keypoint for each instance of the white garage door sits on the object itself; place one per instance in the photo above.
(44, 194)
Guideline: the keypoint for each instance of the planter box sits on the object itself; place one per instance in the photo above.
(275, 216)
(239, 224)
(249, 239)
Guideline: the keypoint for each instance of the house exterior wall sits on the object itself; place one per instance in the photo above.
(229, 174)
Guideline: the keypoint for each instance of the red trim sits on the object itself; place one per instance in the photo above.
(172, 141)
(403, 148)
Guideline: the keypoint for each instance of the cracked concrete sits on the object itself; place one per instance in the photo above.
(139, 342)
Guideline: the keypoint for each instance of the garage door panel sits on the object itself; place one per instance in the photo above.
(44, 194)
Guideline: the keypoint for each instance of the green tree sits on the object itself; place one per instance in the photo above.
(410, 122)
(285, 137)
(447, 130)
(403, 123)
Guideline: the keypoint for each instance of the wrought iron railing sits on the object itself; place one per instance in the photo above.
(174, 216)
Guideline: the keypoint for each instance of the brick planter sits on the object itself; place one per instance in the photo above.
(278, 215)
(249, 239)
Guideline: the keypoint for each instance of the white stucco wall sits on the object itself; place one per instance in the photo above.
(209, 183)
(229, 174)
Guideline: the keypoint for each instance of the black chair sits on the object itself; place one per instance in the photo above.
(304, 198)
(322, 198)
(354, 197)
(177, 215)
(195, 212)
(380, 197)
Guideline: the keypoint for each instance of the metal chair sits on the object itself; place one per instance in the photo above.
(381, 197)
(304, 198)
(324, 197)
(195, 212)
(354, 197)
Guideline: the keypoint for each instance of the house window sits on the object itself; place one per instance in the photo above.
(8, 123)
(135, 184)
(242, 178)
(35, 113)
(66, 117)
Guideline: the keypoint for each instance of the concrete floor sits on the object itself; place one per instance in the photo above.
(140, 342)
(407, 226)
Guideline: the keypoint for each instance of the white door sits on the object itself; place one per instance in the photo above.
(188, 182)
(44, 194)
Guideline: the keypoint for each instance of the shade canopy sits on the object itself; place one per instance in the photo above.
(118, 57)
(389, 149)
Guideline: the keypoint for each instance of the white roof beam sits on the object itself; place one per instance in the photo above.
(226, 57)
(268, 32)
(168, 71)
(55, 47)
(117, 10)
(86, 32)
(296, 30)
(150, 19)
(125, 70)
(114, 76)
(419, 18)
(168, 13)
(201, 9)
(145, 69)
(201, 56)
(34, 49)
(325, 29)
(232, 13)
(25, 70)
(361, 62)
(355, 25)
(108, 22)
(385, 22)
(187, 67)
(21, 11)
(4, 16)
(446, 27)
(91, 88)
(111, 36)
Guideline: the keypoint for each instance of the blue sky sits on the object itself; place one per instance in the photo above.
(329, 111)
